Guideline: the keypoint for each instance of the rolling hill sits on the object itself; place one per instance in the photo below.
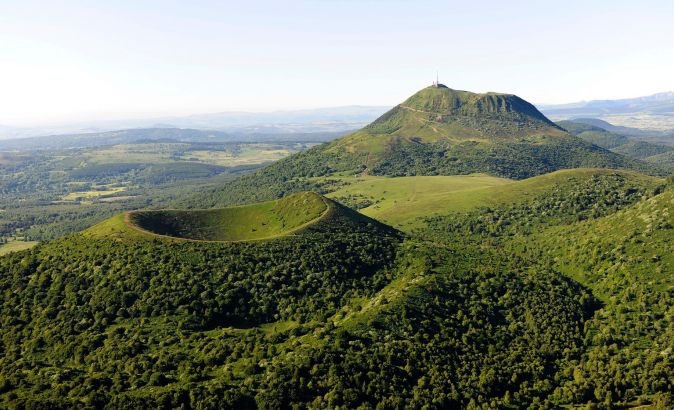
(642, 149)
(625, 259)
(616, 129)
(612, 238)
(664, 160)
(652, 149)
(114, 281)
(594, 134)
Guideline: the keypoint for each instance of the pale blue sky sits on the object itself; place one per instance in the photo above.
(83, 60)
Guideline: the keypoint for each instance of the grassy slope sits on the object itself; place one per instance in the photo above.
(400, 201)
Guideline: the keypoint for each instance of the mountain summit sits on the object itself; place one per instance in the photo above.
(439, 111)
(446, 101)
(436, 131)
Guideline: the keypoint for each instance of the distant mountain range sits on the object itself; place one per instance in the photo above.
(654, 112)
(331, 119)
(634, 116)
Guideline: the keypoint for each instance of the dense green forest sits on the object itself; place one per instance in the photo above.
(105, 308)
(133, 339)
(615, 241)
(476, 310)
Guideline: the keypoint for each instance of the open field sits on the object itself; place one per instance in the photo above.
(244, 154)
(401, 201)
(143, 153)
(232, 154)
(642, 121)
(84, 195)
(14, 246)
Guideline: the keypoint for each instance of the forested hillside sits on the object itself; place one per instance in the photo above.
(476, 309)
(244, 325)
(614, 240)
(655, 148)
(101, 317)
(512, 292)
(626, 260)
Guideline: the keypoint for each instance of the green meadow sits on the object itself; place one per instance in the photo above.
(402, 201)
(14, 246)
(399, 201)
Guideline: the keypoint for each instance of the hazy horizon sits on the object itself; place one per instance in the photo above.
(95, 61)
(145, 118)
